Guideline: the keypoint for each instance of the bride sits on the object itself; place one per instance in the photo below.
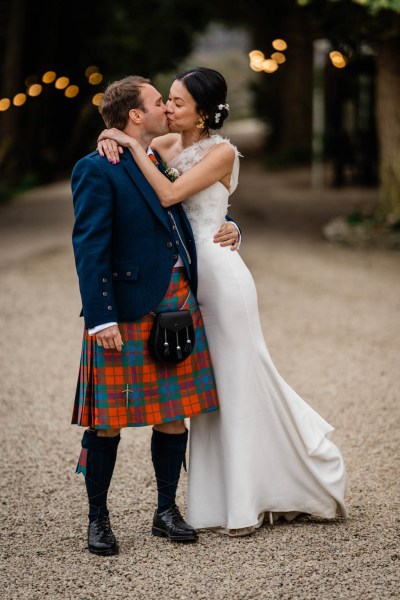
(266, 451)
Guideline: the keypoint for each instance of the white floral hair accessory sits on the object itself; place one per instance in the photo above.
(217, 115)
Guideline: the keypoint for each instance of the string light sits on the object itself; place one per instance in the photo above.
(90, 70)
(278, 57)
(95, 78)
(259, 63)
(61, 83)
(5, 104)
(338, 59)
(35, 90)
(29, 81)
(49, 77)
(279, 44)
(71, 91)
(269, 65)
(97, 99)
(19, 99)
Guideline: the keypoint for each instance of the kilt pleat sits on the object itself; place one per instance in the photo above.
(130, 389)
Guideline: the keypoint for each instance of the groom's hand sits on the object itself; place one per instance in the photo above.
(227, 235)
(110, 338)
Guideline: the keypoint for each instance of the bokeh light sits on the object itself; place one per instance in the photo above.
(62, 83)
(90, 70)
(255, 53)
(31, 80)
(49, 77)
(338, 59)
(279, 45)
(71, 91)
(5, 104)
(97, 98)
(269, 65)
(35, 90)
(95, 78)
(278, 57)
(19, 99)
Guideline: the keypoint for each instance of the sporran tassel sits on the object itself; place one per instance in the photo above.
(178, 348)
(166, 345)
(188, 345)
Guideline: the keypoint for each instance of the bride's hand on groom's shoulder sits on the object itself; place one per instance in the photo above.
(111, 142)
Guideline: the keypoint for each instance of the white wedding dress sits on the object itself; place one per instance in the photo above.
(265, 450)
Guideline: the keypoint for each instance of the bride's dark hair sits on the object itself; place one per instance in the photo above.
(208, 89)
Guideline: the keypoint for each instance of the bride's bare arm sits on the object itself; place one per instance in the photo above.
(215, 166)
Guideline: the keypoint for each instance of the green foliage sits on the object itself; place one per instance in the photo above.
(373, 6)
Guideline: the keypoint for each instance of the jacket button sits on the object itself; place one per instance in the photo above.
(115, 274)
(175, 257)
(105, 293)
(169, 244)
(128, 273)
(104, 280)
(177, 242)
(109, 307)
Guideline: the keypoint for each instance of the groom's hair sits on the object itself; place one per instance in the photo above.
(119, 98)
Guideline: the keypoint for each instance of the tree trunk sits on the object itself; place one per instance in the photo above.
(388, 118)
(296, 88)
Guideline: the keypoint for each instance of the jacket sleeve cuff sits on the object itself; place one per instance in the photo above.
(94, 330)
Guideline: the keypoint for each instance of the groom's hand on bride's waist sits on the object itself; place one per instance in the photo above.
(228, 235)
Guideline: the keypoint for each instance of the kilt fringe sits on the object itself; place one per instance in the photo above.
(130, 389)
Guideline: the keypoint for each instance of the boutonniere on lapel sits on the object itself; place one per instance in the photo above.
(170, 172)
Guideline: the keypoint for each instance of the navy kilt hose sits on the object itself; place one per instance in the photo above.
(130, 389)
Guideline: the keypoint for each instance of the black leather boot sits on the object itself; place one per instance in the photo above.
(170, 524)
(101, 539)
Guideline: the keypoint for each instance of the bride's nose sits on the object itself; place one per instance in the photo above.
(169, 107)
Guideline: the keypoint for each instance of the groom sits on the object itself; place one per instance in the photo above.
(133, 256)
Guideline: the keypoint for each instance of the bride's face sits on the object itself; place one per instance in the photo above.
(181, 109)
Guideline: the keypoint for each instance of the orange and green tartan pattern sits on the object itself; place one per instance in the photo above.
(129, 389)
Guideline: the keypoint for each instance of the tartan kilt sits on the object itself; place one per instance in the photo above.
(130, 389)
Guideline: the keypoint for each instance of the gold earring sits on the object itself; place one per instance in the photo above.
(201, 122)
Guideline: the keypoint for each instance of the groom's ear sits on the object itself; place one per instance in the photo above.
(135, 115)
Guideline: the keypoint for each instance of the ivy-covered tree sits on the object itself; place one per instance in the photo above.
(377, 23)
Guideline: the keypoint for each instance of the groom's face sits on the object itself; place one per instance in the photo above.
(154, 117)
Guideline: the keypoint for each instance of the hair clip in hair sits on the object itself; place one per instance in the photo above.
(221, 106)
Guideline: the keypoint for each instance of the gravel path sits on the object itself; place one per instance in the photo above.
(331, 319)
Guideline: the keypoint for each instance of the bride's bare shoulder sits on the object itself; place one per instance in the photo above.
(165, 142)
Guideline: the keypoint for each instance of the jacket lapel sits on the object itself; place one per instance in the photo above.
(144, 187)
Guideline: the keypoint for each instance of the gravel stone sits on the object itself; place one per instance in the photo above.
(330, 315)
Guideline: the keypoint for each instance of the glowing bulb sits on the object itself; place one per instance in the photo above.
(269, 65)
(62, 83)
(90, 70)
(49, 77)
(71, 91)
(30, 80)
(97, 98)
(278, 57)
(338, 59)
(279, 44)
(255, 53)
(35, 89)
(5, 104)
(19, 99)
(95, 78)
